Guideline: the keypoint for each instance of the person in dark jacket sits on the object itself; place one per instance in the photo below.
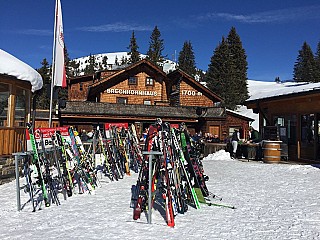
(255, 138)
(254, 135)
(234, 141)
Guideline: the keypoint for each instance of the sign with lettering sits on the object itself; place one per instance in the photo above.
(120, 125)
(174, 125)
(131, 92)
(46, 136)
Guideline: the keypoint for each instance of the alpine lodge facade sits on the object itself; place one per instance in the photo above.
(142, 92)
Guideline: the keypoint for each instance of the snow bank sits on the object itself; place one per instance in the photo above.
(10, 65)
(219, 155)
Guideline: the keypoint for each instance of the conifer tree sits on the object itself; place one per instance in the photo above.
(116, 62)
(156, 46)
(186, 59)
(227, 71)
(317, 63)
(133, 50)
(305, 66)
(105, 62)
(124, 60)
(75, 70)
(219, 75)
(43, 101)
(239, 60)
(91, 67)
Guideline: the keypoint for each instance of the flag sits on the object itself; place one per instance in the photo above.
(59, 75)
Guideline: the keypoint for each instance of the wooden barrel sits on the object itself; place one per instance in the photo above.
(271, 152)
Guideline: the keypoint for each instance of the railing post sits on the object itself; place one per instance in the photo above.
(16, 163)
(151, 155)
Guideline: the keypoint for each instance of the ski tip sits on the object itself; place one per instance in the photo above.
(171, 224)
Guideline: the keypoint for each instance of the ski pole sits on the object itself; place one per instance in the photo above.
(220, 205)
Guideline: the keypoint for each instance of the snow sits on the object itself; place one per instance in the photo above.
(12, 66)
(168, 65)
(260, 90)
(244, 111)
(273, 201)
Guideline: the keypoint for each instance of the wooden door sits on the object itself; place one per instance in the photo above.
(214, 130)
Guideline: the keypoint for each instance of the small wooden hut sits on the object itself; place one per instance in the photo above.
(17, 81)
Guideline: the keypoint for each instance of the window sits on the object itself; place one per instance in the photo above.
(122, 100)
(307, 128)
(133, 81)
(81, 86)
(147, 102)
(4, 99)
(20, 107)
(214, 130)
(149, 81)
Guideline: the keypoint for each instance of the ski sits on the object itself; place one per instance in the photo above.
(36, 161)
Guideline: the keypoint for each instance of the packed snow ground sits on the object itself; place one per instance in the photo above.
(273, 201)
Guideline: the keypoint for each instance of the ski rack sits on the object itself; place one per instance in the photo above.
(18, 156)
(151, 156)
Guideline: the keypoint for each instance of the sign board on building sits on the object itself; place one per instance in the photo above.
(119, 125)
(131, 92)
(46, 136)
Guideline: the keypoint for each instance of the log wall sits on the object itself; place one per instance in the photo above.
(111, 95)
(190, 96)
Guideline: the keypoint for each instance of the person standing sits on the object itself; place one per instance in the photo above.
(254, 135)
(234, 142)
(255, 138)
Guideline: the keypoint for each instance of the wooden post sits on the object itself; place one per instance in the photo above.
(298, 150)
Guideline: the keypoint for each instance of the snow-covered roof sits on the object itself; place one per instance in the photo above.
(240, 112)
(244, 111)
(12, 66)
(261, 90)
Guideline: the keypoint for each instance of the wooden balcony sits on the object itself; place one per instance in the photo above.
(10, 140)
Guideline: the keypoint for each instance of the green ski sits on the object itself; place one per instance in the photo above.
(36, 161)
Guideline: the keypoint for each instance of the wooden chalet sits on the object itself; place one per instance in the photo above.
(139, 94)
(17, 80)
(292, 117)
(14, 113)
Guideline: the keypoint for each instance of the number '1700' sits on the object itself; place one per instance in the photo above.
(191, 93)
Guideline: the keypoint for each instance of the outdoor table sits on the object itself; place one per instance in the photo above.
(213, 147)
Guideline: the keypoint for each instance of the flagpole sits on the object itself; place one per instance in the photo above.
(53, 63)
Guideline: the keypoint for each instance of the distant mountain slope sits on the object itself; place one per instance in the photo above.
(122, 59)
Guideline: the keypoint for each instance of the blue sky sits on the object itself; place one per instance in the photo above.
(272, 32)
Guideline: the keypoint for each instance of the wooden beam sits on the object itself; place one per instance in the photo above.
(128, 118)
(263, 113)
